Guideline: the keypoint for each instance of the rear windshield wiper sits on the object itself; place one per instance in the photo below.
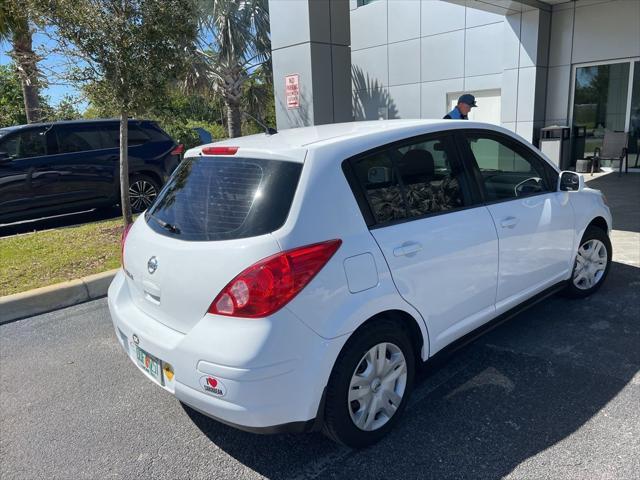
(166, 226)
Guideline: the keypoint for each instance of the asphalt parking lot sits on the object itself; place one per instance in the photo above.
(554, 393)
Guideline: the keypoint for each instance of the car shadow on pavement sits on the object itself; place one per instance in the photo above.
(511, 395)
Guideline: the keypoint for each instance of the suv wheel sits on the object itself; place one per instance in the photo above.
(369, 385)
(143, 190)
(592, 263)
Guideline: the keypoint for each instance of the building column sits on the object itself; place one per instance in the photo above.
(524, 83)
(310, 42)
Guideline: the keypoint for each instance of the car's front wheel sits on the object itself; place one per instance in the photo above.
(592, 263)
(369, 385)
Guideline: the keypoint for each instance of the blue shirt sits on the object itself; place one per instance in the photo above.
(455, 114)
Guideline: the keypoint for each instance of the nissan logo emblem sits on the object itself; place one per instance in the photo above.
(152, 265)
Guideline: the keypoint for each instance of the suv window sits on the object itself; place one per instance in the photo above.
(79, 138)
(411, 180)
(506, 170)
(29, 143)
(135, 135)
(216, 198)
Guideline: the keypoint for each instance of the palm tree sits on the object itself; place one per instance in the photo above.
(15, 29)
(234, 41)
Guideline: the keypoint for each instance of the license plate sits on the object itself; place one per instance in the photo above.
(149, 364)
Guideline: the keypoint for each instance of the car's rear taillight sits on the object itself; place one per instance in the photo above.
(178, 150)
(267, 286)
(123, 239)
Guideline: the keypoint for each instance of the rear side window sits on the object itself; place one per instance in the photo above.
(412, 180)
(216, 198)
(135, 135)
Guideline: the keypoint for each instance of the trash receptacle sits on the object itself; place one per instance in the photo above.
(579, 137)
(555, 144)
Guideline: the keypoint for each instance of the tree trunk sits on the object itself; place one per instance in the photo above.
(27, 64)
(124, 169)
(234, 117)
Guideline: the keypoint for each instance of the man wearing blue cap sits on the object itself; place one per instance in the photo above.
(465, 103)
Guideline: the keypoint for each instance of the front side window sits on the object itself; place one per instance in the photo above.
(30, 143)
(411, 180)
(507, 171)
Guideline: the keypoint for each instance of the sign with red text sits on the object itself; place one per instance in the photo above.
(292, 90)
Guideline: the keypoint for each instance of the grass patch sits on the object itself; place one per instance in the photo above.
(43, 258)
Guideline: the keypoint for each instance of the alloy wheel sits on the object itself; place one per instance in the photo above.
(142, 194)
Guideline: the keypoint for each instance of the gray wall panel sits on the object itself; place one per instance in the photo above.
(511, 41)
(404, 62)
(289, 22)
(434, 96)
(509, 94)
(404, 20)
(558, 88)
(483, 82)
(369, 25)
(295, 59)
(371, 63)
(440, 17)
(607, 30)
(483, 50)
(561, 37)
(443, 56)
(406, 99)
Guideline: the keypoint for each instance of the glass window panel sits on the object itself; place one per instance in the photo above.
(600, 101)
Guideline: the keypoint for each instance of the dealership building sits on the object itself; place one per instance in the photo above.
(530, 63)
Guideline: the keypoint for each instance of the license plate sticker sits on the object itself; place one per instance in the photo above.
(149, 364)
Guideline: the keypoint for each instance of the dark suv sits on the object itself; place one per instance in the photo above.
(50, 168)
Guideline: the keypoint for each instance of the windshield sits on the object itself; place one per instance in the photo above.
(217, 198)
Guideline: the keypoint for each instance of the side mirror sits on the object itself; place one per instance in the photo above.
(570, 182)
(4, 157)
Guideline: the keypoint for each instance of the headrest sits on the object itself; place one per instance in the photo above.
(417, 162)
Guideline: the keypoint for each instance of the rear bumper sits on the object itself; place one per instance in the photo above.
(273, 372)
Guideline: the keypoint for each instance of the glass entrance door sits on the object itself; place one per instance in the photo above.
(600, 101)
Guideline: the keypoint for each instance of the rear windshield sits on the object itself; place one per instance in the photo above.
(216, 198)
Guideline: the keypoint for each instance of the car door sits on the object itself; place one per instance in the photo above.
(534, 221)
(82, 170)
(437, 238)
(26, 149)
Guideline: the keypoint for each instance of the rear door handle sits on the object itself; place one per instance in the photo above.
(509, 222)
(407, 249)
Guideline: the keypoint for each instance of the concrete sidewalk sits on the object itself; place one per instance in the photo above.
(623, 196)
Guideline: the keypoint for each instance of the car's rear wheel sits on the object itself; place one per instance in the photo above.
(143, 190)
(369, 384)
(592, 263)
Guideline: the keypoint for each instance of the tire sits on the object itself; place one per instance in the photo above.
(143, 190)
(589, 269)
(341, 415)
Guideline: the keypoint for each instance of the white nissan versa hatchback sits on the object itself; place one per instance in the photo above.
(294, 282)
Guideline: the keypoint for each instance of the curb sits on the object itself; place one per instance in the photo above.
(61, 295)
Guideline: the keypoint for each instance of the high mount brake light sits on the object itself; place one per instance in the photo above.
(268, 285)
(219, 150)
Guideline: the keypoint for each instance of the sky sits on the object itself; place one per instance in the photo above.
(50, 64)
